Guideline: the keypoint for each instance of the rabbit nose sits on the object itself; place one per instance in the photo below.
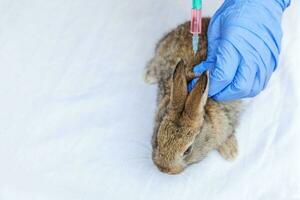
(163, 169)
(166, 166)
(169, 170)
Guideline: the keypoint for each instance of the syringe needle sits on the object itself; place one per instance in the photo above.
(195, 42)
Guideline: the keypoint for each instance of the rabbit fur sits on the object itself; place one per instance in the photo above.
(187, 125)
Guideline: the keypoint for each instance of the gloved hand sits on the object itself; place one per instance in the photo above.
(244, 39)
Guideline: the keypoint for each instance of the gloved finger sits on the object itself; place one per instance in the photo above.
(260, 80)
(261, 72)
(257, 51)
(192, 84)
(225, 67)
(198, 69)
(269, 72)
(256, 88)
(240, 86)
(203, 66)
(267, 30)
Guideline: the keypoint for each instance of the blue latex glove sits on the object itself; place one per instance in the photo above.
(244, 39)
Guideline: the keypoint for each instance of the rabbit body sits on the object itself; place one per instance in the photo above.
(187, 125)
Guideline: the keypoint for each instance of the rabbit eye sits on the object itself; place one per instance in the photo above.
(188, 151)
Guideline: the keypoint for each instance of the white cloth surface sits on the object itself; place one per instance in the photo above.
(76, 118)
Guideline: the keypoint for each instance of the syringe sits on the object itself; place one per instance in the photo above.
(196, 23)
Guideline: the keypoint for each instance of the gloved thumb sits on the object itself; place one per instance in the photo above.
(198, 69)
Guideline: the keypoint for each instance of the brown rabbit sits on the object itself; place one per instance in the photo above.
(187, 125)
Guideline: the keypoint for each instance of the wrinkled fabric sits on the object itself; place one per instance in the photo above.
(76, 118)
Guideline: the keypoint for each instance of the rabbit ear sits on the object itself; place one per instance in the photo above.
(196, 100)
(179, 88)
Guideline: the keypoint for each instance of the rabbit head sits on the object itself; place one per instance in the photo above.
(183, 137)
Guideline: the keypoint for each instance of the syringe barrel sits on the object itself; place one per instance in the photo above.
(196, 21)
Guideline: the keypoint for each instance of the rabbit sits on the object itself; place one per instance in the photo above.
(187, 125)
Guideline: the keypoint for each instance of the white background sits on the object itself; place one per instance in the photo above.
(76, 118)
